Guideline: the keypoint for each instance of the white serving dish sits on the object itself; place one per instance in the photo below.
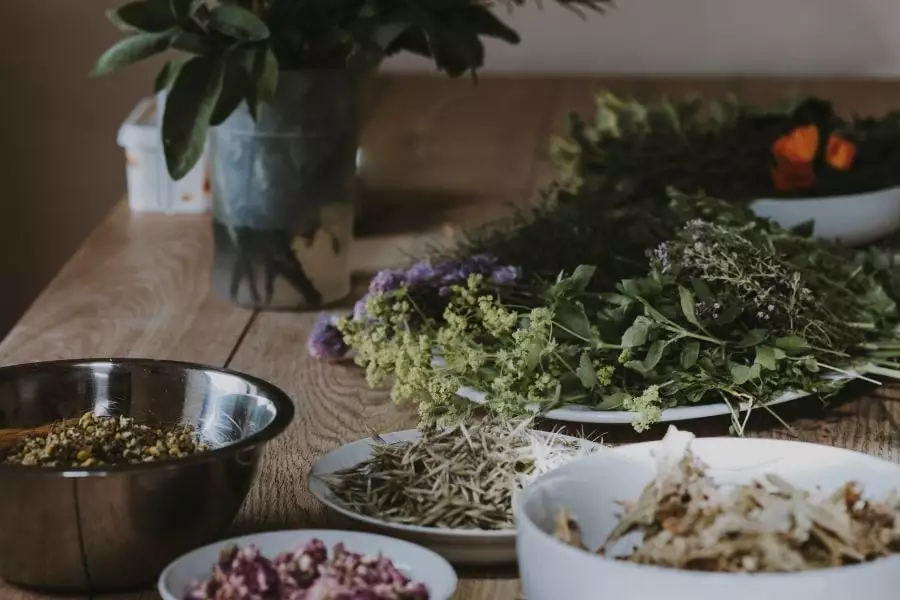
(591, 486)
(150, 188)
(852, 219)
(582, 414)
(468, 548)
(419, 564)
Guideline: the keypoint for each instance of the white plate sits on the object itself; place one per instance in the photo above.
(417, 563)
(462, 547)
(582, 414)
(852, 219)
(590, 487)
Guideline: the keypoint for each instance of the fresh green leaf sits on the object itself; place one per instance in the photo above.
(752, 338)
(262, 69)
(189, 107)
(238, 23)
(235, 88)
(791, 343)
(636, 335)
(586, 372)
(654, 355)
(184, 9)
(168, 73)
(689, 354)
(613, 401)
(765, 357)
(132, 49)
(148, 16)
(581, 277)
(741, 374)
(688, 306)
(572, 317)
(195, 43)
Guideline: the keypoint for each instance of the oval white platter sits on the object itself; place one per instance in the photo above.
(417, 563)
(463, 547)
(583, 414)
(851, 219)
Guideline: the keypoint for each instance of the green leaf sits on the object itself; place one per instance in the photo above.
(168, 73)
(234, 91)
(689, 354)
(636, 335)
(613, 401)
(752, 338)
(586, 372)
(765, 357)
(486, 23)
(741, 374)
(149, 16)
(581, 277)
(184, 9)
(189, 107)
(195, 43)
(688, 306)
(571, 316)
(385, 35)
(238, 22)
(791, 343)
(132, 49)
(262, 69)
(654, 355)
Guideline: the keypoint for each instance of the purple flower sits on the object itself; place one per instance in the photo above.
(420, 273)
(505, 275)
(387, 280)
(360, 309)
(326, 341)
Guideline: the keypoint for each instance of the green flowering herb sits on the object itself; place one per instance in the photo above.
(730, 310)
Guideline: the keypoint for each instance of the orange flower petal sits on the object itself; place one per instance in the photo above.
(792, 176)
(798, 145)
(839, 153)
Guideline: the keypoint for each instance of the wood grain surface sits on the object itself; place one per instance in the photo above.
(440, 154)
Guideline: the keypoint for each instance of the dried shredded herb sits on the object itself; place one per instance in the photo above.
(94, 441)
(687, 520)
(458, 478)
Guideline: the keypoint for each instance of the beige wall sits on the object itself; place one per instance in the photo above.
(61, 170)
(827, 37)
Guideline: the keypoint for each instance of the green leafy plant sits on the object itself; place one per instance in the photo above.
(233, 50)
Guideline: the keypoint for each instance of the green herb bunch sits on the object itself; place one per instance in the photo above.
(234, 49)
(718, 146)
(735, 310)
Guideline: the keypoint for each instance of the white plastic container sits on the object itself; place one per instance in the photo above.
(150, 188)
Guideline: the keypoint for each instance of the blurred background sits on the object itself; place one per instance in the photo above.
(62, 170)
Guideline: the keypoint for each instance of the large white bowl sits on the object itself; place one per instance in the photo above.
(590, 487)
(417, 563)
(851, 219)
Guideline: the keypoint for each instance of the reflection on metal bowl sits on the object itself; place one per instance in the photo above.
(114, 528)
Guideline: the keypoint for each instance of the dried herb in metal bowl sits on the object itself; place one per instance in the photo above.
(463, 477)
(94, 441)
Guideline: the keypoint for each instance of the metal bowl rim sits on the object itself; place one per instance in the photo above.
(284, 414)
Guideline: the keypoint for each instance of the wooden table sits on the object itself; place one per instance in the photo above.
(440, 153)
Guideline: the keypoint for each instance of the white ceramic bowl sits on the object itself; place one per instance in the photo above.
(418, 563)
(590, 486)
(853, 219)
(464, 548)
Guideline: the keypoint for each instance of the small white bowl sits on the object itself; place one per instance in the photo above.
(852, 219)
(417, 563)
(590, 487)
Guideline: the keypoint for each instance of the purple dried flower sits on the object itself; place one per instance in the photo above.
(326, 341)
(387, 280)
(661, 253)
(505, 275)
(420, 273)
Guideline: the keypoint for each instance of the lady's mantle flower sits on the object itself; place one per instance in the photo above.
(325, 341)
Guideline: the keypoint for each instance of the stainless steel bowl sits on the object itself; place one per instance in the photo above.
(108, 529)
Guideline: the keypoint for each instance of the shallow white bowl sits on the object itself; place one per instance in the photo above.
(464, 548)
(590, 487)
(851, 219)
(418, 563)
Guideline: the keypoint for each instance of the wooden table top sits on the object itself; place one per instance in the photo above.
(440, 153)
